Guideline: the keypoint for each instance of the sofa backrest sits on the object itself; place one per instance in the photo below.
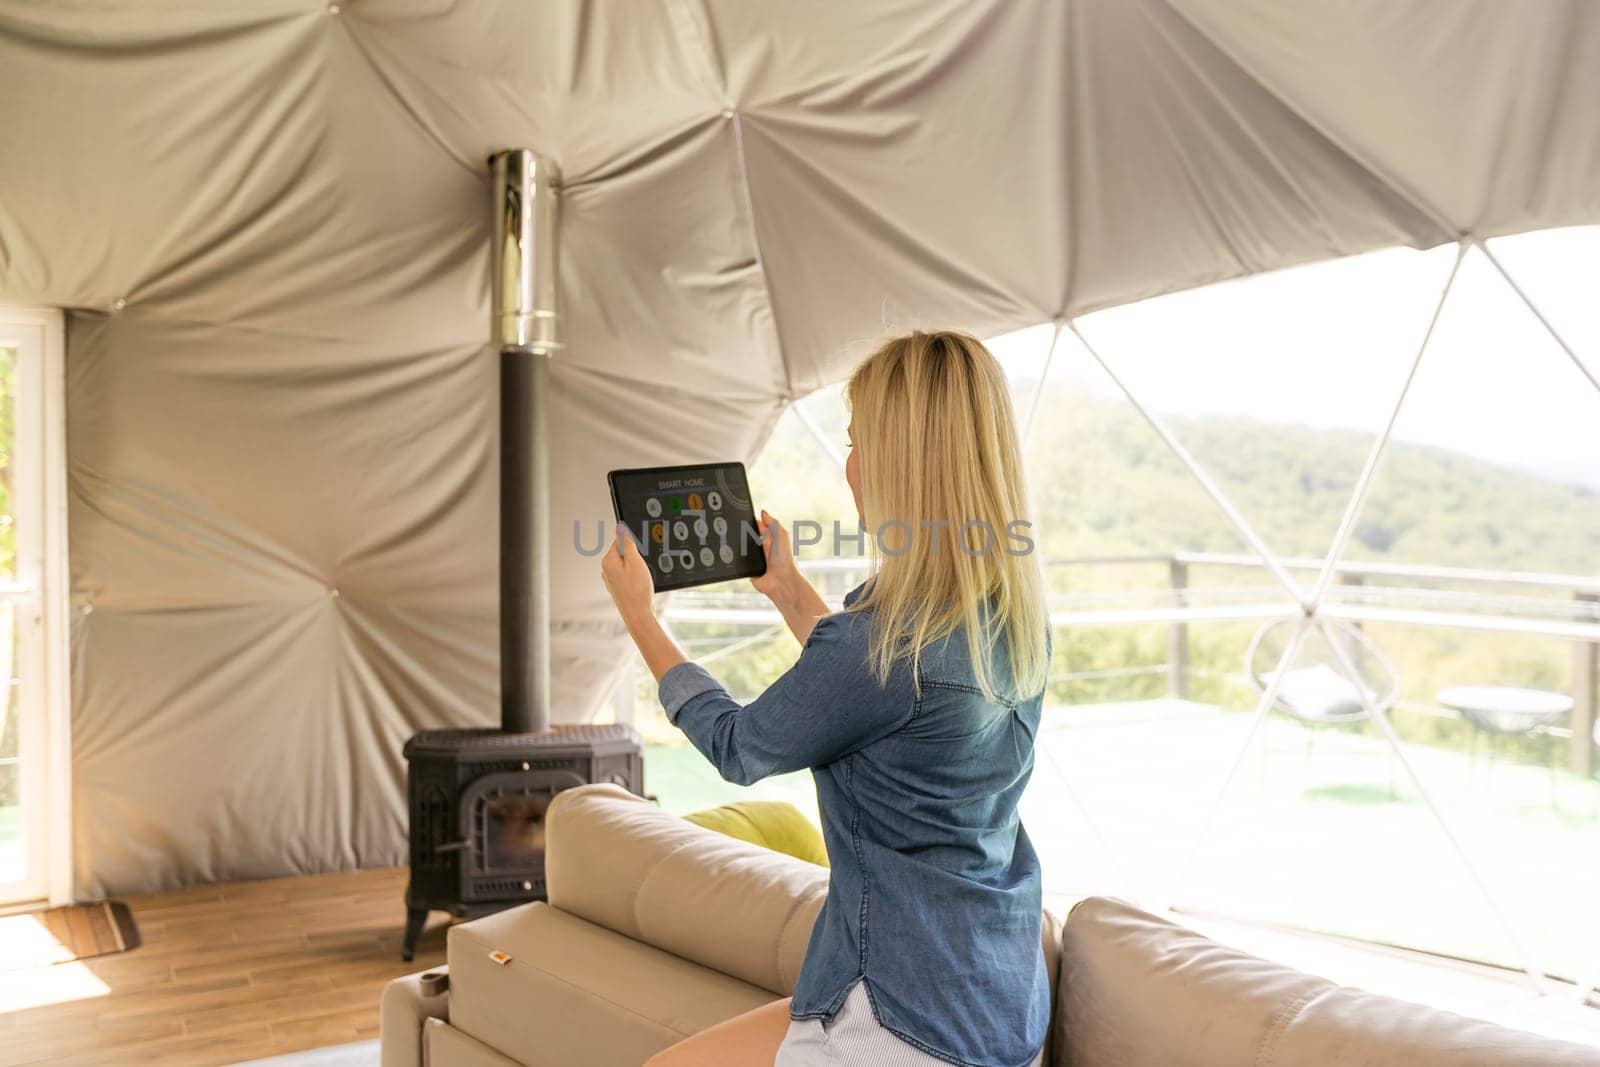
(622, 862)
(1138, 991)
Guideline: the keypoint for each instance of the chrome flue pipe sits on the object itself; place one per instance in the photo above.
(526, 328)
(527, 220)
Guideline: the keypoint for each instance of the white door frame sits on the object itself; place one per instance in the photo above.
(41, 595)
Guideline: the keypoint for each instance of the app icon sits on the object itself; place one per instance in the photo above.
(695, 503)
(652, 508)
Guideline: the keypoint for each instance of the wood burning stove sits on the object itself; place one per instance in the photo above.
(477, 804)
(477, 797)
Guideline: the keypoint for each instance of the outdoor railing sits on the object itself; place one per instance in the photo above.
(1491, 600)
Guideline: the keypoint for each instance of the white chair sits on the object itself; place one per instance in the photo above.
(1317, 689)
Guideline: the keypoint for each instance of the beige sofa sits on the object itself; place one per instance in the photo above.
(656, 929)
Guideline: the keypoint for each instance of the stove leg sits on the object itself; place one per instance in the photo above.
(415, 918)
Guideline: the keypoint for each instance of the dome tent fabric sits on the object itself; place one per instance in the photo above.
(268, 222)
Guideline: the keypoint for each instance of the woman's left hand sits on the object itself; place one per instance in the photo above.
(627, 577)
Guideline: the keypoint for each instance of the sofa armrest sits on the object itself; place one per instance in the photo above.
(550, 989)
(1138, 991)
(621, 862)
(407, 1004)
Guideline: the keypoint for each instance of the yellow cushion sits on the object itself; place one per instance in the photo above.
(776, 824)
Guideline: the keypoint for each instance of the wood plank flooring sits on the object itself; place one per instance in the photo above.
(226, 973)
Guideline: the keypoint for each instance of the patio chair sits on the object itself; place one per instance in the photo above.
(1316, 690)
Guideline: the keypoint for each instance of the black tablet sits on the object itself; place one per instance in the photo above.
(694, 525)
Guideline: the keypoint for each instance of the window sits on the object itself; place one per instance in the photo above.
(35, 838)
(1460, 818)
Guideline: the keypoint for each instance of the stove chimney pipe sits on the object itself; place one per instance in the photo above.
(526, 327)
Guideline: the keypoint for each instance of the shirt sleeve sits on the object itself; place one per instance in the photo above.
(824, 707)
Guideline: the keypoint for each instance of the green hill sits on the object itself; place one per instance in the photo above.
(1104, 483)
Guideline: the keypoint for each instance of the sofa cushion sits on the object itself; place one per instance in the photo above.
(774, 824)
(1138, 991)
(623, 863)
(549, 989)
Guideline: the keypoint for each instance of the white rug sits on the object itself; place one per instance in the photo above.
(356, 1054)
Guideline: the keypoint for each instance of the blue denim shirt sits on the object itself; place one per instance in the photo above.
(935, 893)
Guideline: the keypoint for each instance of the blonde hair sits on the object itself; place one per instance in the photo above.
(940, 460)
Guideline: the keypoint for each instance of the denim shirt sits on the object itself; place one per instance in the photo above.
(934, 897)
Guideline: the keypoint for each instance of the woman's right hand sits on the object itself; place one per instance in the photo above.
(782, 572)
(783, 584)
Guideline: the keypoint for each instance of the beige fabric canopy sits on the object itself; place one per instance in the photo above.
(268, 220)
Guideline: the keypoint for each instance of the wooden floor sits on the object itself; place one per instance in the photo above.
(226, 973)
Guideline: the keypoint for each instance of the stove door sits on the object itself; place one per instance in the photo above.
(502, 817)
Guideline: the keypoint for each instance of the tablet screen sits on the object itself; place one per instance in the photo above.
(694, 524)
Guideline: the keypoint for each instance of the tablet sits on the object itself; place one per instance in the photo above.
(694, 525)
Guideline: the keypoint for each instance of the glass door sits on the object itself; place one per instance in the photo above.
(34, 850)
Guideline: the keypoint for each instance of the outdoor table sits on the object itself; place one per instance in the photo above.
(1506, 709)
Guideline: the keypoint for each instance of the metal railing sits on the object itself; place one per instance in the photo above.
(1482, 600)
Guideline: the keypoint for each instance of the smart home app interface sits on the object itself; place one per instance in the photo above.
(693, 525)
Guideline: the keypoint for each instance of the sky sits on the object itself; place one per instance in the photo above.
(1329, 345)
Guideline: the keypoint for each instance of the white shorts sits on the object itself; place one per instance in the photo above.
(853, 1039)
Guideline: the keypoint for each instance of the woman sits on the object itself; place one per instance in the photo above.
(915, 709)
